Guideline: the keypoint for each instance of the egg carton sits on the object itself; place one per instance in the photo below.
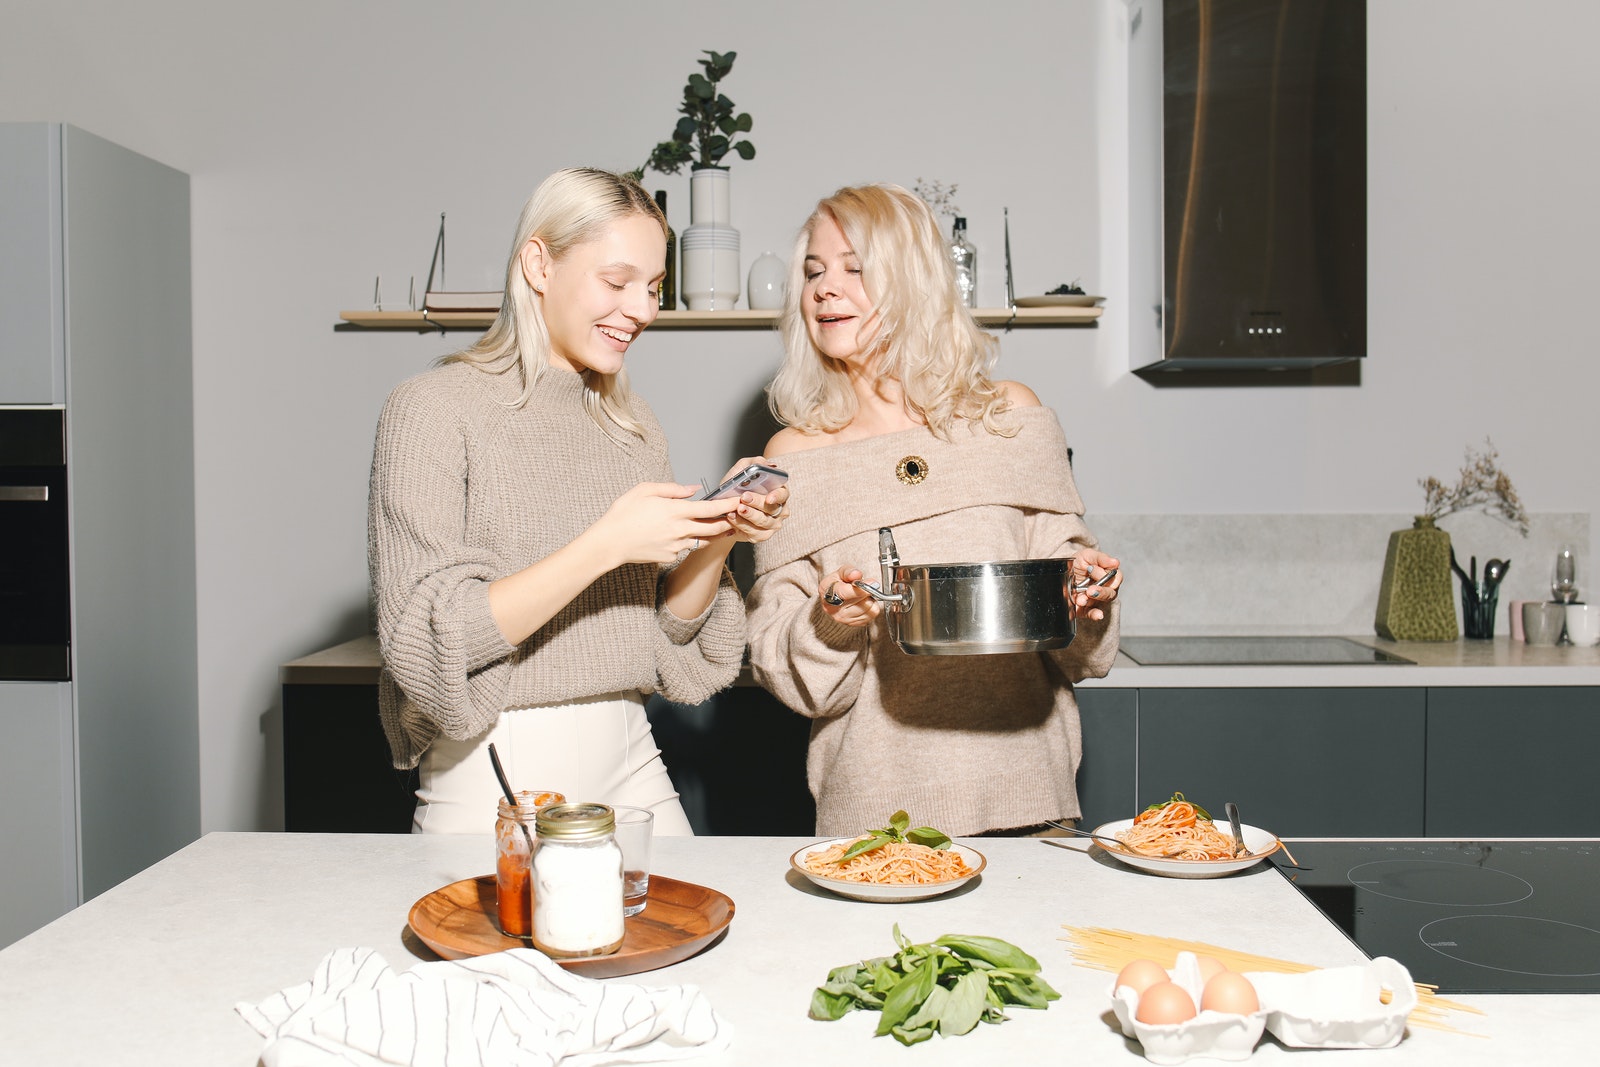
(1338, 1007)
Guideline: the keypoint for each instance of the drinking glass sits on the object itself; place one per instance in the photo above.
(635, 828)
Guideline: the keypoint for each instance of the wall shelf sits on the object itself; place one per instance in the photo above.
(424, 321)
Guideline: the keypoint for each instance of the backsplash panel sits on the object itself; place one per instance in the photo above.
(1307, 574)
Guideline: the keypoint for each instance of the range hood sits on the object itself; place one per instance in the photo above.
(1248, 184)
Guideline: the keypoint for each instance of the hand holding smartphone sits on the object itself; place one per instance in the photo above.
(756, 478)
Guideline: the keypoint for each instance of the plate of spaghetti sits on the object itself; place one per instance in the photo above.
(894, 873)
(1179, 839)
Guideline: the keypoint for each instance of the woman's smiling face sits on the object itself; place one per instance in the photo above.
(839, 315)
(601, 294)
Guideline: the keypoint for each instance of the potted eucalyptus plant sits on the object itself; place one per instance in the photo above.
(708, 129)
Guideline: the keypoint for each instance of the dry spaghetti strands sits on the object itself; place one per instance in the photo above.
(1101, 949)
(896, 863)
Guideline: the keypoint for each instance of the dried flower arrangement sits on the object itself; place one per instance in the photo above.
(939, 197)
(1483, 487)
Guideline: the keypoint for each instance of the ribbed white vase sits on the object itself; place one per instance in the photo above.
(710, 277)
(709, 280)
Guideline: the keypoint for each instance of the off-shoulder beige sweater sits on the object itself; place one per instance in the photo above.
(963, 743)
(467, 489)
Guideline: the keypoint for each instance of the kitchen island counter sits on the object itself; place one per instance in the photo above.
(1500, 661)
(149, 972)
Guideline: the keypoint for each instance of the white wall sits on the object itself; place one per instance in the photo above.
(324, 139)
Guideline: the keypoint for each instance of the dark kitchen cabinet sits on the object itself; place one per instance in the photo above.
(1298, 762)
(1513, 762)
(337, 775)
(1108, 775)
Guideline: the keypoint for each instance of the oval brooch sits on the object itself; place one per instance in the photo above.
(911, 470)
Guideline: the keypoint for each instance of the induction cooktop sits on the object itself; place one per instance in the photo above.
(1268, 651)
(1492, 916)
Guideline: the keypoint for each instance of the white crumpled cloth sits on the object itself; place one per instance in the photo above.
(515, 1008)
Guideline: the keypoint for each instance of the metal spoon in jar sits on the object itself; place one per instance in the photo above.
(511, 798)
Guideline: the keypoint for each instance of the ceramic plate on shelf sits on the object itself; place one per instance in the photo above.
(1258, 843)
(1059, 300)
(886, 894)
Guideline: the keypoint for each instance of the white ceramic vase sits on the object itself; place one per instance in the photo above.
(710, 199)
(709, 280)
(765, 289)
(710, 276)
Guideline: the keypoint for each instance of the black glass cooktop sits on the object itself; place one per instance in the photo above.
(1227, 651)
(1499, 916)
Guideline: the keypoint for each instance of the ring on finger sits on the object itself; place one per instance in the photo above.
(695, 545)
(831, 597)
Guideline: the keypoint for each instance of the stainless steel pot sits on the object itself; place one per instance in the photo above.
(974, 609)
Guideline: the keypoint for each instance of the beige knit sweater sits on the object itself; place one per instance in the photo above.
(465, 490)
(963, 743)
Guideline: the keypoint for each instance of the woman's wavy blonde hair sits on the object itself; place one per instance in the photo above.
(928, 341)
(569, 208)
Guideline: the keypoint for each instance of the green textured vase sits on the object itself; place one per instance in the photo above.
(1415, 601)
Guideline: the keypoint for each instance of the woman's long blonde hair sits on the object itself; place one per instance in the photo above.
(927, 339)
(569, 208)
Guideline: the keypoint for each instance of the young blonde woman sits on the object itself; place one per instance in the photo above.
(534, 567)
(892, 419)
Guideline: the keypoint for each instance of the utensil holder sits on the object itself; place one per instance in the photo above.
(1477, 613)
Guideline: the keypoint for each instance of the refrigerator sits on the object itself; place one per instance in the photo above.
(99, 747)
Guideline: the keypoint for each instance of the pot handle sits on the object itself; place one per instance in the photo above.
(900, 600)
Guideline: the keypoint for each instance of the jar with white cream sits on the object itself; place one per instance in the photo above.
(577, 881)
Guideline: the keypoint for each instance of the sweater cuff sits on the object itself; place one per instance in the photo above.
(482, 643)
(836, 635)
(682, 631)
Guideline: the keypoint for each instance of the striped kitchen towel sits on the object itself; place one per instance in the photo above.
(513, 1007)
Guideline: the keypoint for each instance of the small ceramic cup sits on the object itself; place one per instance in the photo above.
(1542, 622)
(1514, 616)
(1583, 624)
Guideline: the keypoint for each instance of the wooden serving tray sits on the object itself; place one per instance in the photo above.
(679, 919)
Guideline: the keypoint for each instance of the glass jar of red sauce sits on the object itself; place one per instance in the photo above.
(513, 829)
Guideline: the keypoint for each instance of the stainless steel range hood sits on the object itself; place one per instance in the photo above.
(1248, 184)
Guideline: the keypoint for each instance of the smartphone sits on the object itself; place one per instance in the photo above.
(756, 478)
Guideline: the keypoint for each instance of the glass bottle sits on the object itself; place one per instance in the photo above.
(513, 836)
(966, 260)
(577, 882)
(667, 297)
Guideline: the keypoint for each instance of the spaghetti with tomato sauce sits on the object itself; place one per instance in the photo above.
(1177, 829)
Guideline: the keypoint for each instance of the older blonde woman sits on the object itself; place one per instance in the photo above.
(892, 419)
(534, 567)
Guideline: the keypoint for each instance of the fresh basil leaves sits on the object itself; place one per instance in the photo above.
(947, 986)
(896, 831)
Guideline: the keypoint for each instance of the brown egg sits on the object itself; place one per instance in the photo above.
(1210, 967)
(1165, 1004)
(1140, 975)
(1231, 994)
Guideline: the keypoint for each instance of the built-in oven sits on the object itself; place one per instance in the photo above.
(35, 592)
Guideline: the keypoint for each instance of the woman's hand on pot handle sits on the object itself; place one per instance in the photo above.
(843, 602)
(1092, 566)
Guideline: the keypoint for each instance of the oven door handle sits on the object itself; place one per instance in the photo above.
(24, 492)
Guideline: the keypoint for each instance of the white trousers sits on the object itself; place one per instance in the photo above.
(598, 749)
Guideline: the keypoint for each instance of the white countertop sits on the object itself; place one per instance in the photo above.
(1499, 661)
(148, 973)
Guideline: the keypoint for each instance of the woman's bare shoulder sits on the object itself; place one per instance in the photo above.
(1019, 395)
(789, 440)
